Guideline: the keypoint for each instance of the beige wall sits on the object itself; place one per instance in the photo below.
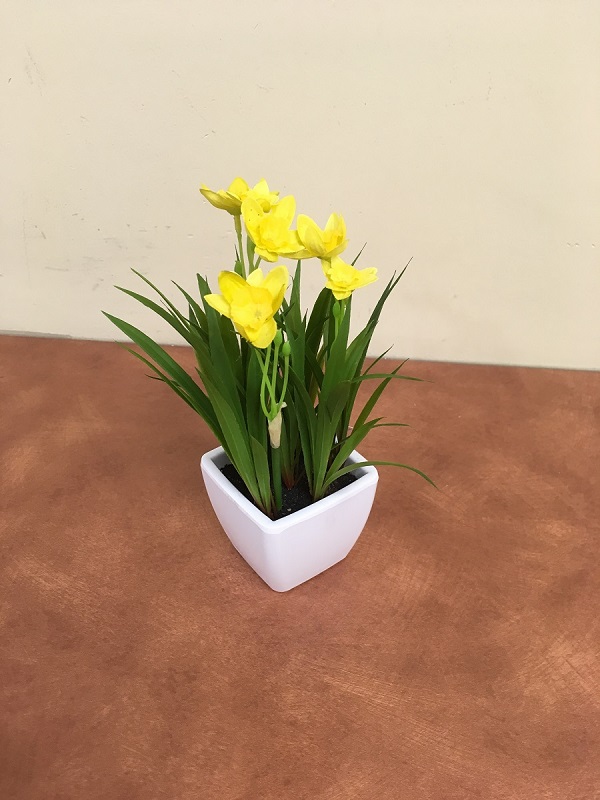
(465, 134)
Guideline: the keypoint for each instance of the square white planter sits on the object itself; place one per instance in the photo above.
(289, 551)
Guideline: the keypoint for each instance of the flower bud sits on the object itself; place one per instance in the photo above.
(286, 349)
(278, 338)
(275, 429)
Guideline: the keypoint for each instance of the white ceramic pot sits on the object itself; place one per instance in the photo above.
(289, 551)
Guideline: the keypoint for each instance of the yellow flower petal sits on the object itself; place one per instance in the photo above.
(267, 255)
(367, 276)
(343, 278)
(311, 236)
(251, 303)
(339, 294)
(285, 210)
(218, 303)
(255, 278)
(252, 308)
(325, 243)
(252, 214)
(262, 195)
(238, 187)
(230, 284)
(222, 199)
(214, 198)
(264, 336)
(336, 224)
(276, 283)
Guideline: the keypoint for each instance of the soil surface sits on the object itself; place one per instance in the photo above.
(294, 499)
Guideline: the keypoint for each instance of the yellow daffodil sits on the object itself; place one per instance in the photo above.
(263, 196)
(326, 243)
(232, 198)
(343, 278)
(251, 304)
(271, 232)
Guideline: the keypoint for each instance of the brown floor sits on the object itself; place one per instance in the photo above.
(453, 654)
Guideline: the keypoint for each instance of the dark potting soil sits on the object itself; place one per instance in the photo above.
(294, 499)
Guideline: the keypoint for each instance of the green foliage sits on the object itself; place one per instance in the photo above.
(316, 374)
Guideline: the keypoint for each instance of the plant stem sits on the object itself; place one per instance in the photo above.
(238, 229)
(274, 404)
(250, 252)
(264, 365)
(286, 375)
(276, 476)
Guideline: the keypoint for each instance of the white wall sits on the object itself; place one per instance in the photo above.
(465, 134)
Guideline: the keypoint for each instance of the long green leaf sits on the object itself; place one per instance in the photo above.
(335, 371)
(375, 376)
(163, 297)
(261, 467)
(307, 421)
(160, 356)
(200, 404)
(174, 321)
(383, 355)
(220, 370)
(352, 467)
(370, 404)
(349, 444)
(194, 305)
(236, 438)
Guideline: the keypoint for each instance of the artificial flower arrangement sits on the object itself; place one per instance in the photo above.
(277, 386)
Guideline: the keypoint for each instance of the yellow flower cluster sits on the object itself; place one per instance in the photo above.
(252, 303)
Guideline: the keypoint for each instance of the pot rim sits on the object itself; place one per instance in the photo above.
(367, 477)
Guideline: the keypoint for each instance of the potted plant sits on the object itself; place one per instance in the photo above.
(278, 387)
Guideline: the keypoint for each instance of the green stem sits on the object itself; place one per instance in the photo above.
(338, 311)
(276, 476)
(238, 229)
(274, 404)
(286, 375)
(250, 252)
(264, 365)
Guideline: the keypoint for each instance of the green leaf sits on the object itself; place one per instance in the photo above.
(163, 297)
(200, 404)
(236, 439)
(198, 312)
(346, 447)
(352, 467)
(335, 371)
(359, 254)
(383, 355)
(375, 376)
(328, 416)
(318, 319)
(257, 423)
(221, 370)
(370, 404)
(307, 421)
(162, 358)
(261, 468)
(174, 321)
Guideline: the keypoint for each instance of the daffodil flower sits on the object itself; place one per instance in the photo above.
(271, 232)
(326, 243)
(231, 199)
(343, 278)
(251, 304)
